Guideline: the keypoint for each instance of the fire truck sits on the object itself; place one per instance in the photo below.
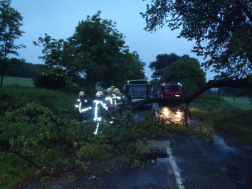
(170, 90)
(137, 90)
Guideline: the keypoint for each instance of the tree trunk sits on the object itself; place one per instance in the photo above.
(186, 114)
(239, 83)
(2, 77)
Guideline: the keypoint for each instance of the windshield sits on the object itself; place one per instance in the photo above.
(138, 91)
(172, 87)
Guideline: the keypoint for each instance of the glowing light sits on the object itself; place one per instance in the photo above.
(78, 100)
(76, 106)
(111, 122)
(109, 98)
(85, 100)
(96, 130)
(177, 95)
(80, 107)
(178, 114)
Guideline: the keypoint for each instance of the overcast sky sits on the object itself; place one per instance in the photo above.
(58, 18)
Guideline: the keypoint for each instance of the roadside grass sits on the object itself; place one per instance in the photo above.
(242, 103)
(26, 82)
(55, 100)
(223, 115)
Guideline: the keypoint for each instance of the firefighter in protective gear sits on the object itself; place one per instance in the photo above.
(100, 107)
(109, 91)
(109, 98)
(83, 106)
(118, 97)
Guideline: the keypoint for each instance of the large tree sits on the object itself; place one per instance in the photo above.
(222, 30)
(96, 53)
(10, 21)
(162, 60)
(187, 71)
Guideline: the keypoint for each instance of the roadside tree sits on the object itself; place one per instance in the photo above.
(95, 54)
(162, 60)
(187, 71)
(10, 21)
(222, 30)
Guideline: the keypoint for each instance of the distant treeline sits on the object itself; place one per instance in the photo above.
(19, 68)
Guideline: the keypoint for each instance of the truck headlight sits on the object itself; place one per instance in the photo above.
(177, 95)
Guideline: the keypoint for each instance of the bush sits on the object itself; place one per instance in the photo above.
(51, 79)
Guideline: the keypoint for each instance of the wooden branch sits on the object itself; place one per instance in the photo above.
(249, 15)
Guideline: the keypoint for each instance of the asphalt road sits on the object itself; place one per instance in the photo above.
(196, 162)
(193, 163)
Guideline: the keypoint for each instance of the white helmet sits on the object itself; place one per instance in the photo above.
(81, 93)
(116, 90)
(109, 90)
(99, 94)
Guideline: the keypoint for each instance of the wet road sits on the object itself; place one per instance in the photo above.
(198, 163)
(193, 163)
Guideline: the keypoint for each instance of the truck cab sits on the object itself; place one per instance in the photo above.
(170, 90)
(137, 90)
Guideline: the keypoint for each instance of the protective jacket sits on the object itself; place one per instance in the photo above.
(83, 106)
(99, 107)
(118, 99)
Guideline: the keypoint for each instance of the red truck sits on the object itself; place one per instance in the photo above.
(170, 90)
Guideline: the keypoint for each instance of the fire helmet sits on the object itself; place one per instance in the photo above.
(116, 90)
(109, 90)
(99, 94)
(81, 93)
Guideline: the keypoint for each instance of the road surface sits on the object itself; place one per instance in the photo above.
(193, 163)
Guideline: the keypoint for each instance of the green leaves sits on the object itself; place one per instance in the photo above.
(187, 71)
(10, 21)
(96, 53)
(221, 30)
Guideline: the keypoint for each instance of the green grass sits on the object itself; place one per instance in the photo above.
(242, 103)
(26, 82)
(233, 119)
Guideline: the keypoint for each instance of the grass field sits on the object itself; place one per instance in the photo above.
(242, 103)
(25, 82)
(235, 119)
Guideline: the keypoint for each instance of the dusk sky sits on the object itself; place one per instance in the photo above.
(59, 18)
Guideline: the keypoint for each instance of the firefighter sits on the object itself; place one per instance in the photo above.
(109, 98)
(83, 106)
(118, 97)
(99, 103)
(100, 108)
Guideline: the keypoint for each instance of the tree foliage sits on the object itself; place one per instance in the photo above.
(187, 71)
(96, 53)
(10, 21)
(162, 60)
(224, 26)
(20, 68)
